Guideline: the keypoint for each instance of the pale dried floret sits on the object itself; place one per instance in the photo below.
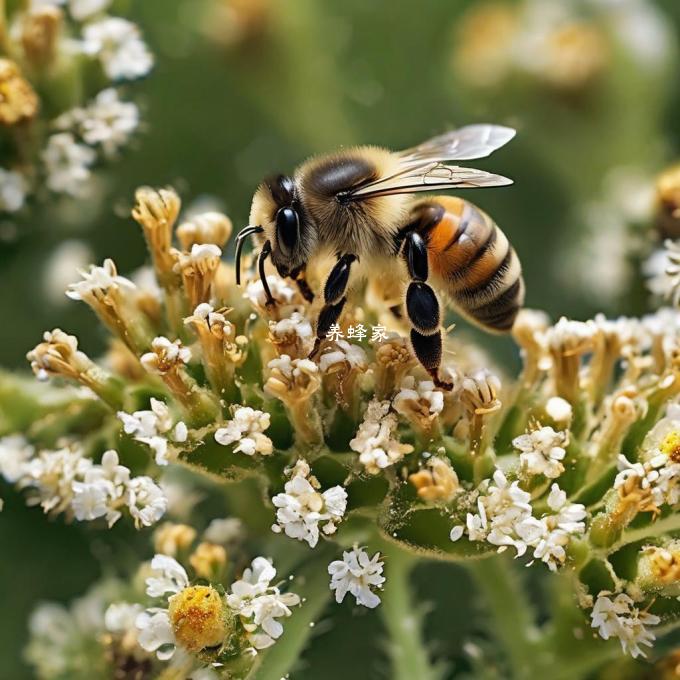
(166, 355)
(98, 281)
(419, 401)
(342, 356)
(292, 335)
(480, 392)
(58, 355)
(292, 379)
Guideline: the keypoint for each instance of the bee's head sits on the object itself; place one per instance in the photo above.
(277, 210)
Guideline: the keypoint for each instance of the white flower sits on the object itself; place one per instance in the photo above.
(302, 508)
(506, 506)
(15, 452)
(169, 576)
(120, 617)
(91, 500)
(119, 46)
(13, 187)
(155, 633)
(374, 441)
(246, 427)
(550, 535)
(149, 426)
(107, 121)
(82, 10)
(146, 501)
(542, 451)
(97, 281)
(259, 604)
(358, 574)
(67, 164)
(620, 618)
(51, 475)
(224, 530)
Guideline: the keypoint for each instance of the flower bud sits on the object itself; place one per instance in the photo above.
(208, 560)
(171, 539)
(437, 481)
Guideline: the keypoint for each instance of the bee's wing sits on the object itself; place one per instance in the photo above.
(431, 176)
(426, 167)
(465, 144)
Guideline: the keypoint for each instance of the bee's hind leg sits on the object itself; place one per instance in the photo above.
(334, 299)
(422, 308)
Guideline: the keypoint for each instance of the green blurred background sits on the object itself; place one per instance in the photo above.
(241, 89)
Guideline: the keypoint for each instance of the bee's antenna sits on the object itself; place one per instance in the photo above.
(246, 231)
(264, 254)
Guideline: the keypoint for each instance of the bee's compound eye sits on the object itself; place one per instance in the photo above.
(287, 230)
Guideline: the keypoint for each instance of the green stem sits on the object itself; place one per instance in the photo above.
(402, 619)
(511, 613)
(662, 526)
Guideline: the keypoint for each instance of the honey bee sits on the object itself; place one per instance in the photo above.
(358, 205)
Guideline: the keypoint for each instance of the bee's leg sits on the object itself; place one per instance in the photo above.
(422, 308)
(298, 275)
(334, 299)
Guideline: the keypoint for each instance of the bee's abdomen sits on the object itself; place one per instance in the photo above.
(476, 265)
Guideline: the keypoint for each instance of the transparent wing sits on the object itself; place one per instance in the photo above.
(464, 144)
(427, 167)
(432, 176)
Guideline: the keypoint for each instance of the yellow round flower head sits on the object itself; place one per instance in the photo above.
(198, 618)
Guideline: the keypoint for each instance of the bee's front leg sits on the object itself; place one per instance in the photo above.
(334, 299)
(299, 276)
(422, 308)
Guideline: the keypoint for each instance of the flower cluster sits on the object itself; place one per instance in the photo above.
(618, 617)
(575, 465)
(44, 42)
(301, 508)
(65, 480)
(570, 44)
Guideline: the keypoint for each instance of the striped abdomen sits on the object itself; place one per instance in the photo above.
(474, 263)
